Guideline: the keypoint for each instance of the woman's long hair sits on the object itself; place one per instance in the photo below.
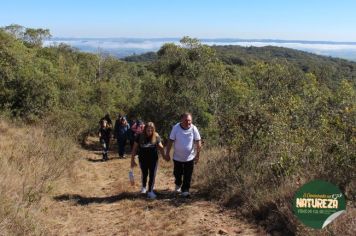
(153, 138)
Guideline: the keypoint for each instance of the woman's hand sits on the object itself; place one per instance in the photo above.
(167, 157)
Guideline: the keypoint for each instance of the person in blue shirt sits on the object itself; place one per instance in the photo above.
(121, 132)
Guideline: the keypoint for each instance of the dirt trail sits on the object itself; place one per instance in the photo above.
(100, 201)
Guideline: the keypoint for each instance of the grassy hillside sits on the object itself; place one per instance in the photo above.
(30, 161)
(279, 117)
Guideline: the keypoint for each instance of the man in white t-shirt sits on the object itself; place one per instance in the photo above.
(187, 145)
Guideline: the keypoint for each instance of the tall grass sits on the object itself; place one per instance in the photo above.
(30, 160)
(256, 188)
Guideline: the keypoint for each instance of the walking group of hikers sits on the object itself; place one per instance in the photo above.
(123, 132)
(146, 143)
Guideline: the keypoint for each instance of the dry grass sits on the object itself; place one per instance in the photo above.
(252, 190)
(30, 160)
(101, 202)
(96, 198)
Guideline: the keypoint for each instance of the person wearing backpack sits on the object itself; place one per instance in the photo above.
(146, 145)
(187, 145)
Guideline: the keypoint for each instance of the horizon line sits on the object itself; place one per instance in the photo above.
(231, 39)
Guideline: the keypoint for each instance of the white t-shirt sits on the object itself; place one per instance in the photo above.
(184, 142)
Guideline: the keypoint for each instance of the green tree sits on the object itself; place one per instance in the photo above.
(15, 30)
(35, 37)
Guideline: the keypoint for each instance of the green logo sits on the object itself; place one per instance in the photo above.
(318, 203)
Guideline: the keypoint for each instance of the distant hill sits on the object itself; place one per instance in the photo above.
(123, 47)
(234, 54)
(335, 68)
(308, 62)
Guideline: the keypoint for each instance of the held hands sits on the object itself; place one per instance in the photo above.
(167, 157)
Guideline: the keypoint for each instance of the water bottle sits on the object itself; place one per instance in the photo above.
(131, 177)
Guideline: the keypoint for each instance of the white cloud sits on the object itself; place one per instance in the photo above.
(140, 45)
(110, 44)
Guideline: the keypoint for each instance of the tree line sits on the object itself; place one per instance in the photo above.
(280, 111)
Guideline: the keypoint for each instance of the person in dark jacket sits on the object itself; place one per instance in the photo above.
(117, 123)
(108, 119)
(131, 135)
(121, 133)
(104, 138)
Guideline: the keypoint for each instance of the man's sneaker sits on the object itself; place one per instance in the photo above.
(178, 189)
(151, 195)
(185, 194)
(143, 190)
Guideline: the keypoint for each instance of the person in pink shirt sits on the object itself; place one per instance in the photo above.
(137, 128)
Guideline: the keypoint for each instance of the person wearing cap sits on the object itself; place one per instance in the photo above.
(187, 145)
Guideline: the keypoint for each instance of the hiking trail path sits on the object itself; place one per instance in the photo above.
(97, 199)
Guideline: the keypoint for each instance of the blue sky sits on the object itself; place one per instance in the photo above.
(333, 20)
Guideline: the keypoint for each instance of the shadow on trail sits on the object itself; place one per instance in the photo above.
(94, 160)
(167, 196)
(83, 200)
(112, 156)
